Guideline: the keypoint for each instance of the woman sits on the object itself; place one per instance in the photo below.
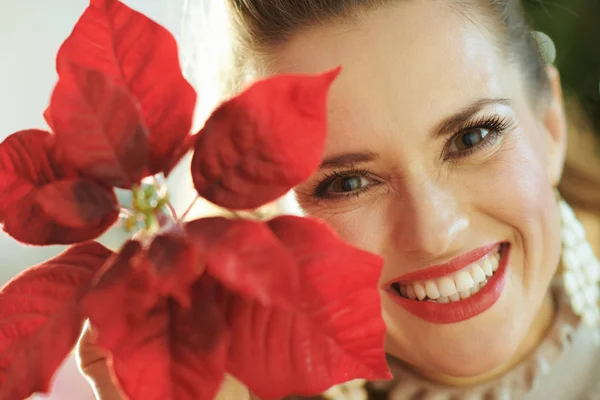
(446, 147)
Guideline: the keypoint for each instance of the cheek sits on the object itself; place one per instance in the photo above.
(517, 193)
(361, 225)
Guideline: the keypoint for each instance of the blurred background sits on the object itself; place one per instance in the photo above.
(31, 32)
(574, 26)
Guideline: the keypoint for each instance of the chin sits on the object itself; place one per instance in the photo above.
(468, 349)
(467, 363)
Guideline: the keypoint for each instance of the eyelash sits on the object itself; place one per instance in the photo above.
(320, 190)
(496, 125)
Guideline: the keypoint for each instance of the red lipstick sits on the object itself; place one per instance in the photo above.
(448, 313)
(456, 264)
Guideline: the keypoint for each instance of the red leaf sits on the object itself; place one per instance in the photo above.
(247, 258)
(136, 280)
(175, 261)
(48, 118)
(98, 128)
(40, 319)
(24, 165)
(182, 351)
(141, 56)
(336, 334)
(63, 212)
(41, 203)
(257, 146)
(128, 286)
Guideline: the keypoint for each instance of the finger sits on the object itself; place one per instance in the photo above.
(93, 362)
(232, 389)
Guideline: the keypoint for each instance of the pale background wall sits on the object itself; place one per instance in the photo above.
(31, 32)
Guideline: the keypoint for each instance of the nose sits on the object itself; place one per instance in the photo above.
(428, 219)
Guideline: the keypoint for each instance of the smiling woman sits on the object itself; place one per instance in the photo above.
(446, 144)
(465, 157)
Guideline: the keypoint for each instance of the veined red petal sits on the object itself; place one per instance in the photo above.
(25, 163)
(43, 203)
(99, 130)
(259, 145)
(183, 351)
(48, 118)
(246, 258)
(122, 296)
(40, 319)
(335, 334)
(12, 189)
(176, 263)
(142, 56)
(62, 212)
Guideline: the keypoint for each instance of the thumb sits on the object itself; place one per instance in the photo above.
(93, 362)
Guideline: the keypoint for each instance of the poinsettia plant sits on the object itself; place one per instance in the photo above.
(283, 305)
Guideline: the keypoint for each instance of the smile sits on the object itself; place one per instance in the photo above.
(455, 291)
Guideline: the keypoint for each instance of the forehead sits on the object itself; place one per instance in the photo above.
(404, 66)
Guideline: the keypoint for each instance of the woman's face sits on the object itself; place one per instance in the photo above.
(437, 161)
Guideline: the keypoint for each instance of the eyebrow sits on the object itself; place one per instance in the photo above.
(348, 159)
(450, 124)
(456, 121)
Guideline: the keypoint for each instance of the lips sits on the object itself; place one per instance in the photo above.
(455, 291)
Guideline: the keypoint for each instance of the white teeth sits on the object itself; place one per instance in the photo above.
(487, 267)
(419, 291)
(457, 286)
(454, 297)
(495, 262)
(432, 290)
(477, 274)
(446, 286)
(464, 281)
(403, 290)
(410, 292)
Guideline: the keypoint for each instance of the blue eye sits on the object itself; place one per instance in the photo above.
(477, 136)
(342, 184)
(348, 184)
(471, 138)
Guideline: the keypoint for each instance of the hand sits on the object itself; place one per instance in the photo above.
(92, 362)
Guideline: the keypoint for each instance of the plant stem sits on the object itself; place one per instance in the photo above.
(189, 209)
(172, 210)
(168, 204)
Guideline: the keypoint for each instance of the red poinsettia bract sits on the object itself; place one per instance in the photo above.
(283, 305)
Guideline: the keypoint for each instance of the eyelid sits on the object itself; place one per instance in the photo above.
(456, 122)
(496, 121)
(496, 124)
(319, 189)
